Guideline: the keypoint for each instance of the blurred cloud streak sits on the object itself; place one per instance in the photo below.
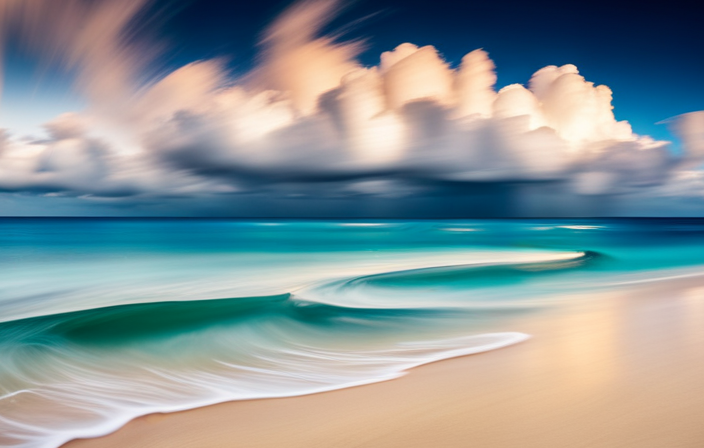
(690, 129)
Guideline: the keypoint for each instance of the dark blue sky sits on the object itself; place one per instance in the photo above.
(650, 56)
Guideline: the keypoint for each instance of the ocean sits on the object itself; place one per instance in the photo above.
(104, 320)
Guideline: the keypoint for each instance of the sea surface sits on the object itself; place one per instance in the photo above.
(103, 320)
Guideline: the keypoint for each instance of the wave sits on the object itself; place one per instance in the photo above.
(160, 319)
(93, 398)
(85, 373)
(432, 287)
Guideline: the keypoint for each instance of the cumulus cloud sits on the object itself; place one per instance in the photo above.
(309, 113)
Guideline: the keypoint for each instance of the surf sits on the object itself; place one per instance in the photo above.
(102, 321)
(111, 364)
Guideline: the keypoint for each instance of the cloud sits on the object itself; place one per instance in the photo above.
(309, 115)
(90, 38)
(690, 129)
(300, 64)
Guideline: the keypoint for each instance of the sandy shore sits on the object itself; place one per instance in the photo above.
(624, 370)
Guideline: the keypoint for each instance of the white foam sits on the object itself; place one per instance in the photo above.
(461, 229)
(106, 401)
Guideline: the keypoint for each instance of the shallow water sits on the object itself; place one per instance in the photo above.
(103, 320)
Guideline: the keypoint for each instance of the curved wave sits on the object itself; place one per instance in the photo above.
(135, 280)
(76, 392)
(85, 373)
(395, 289)
(138, 320)
(162, 319)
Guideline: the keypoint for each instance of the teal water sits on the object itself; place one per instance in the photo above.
(102, 320)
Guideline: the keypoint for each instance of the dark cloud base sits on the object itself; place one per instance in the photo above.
(468, 200)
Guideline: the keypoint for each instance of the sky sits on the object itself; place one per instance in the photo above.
(326, 108)
(648, 55)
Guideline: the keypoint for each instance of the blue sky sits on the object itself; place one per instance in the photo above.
(34, 94)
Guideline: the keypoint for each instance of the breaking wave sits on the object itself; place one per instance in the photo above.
(85, 373)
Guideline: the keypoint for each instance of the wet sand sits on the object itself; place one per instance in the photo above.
(622, 370)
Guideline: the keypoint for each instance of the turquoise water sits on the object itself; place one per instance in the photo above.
(103, 320)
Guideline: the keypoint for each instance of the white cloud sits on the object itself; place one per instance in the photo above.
(310, 112)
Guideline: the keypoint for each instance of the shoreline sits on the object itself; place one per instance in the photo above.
(620, 370)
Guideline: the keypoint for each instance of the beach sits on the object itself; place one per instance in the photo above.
(617, 369)
(343, 224)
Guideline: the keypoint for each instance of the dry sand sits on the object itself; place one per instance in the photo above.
(623, 370)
